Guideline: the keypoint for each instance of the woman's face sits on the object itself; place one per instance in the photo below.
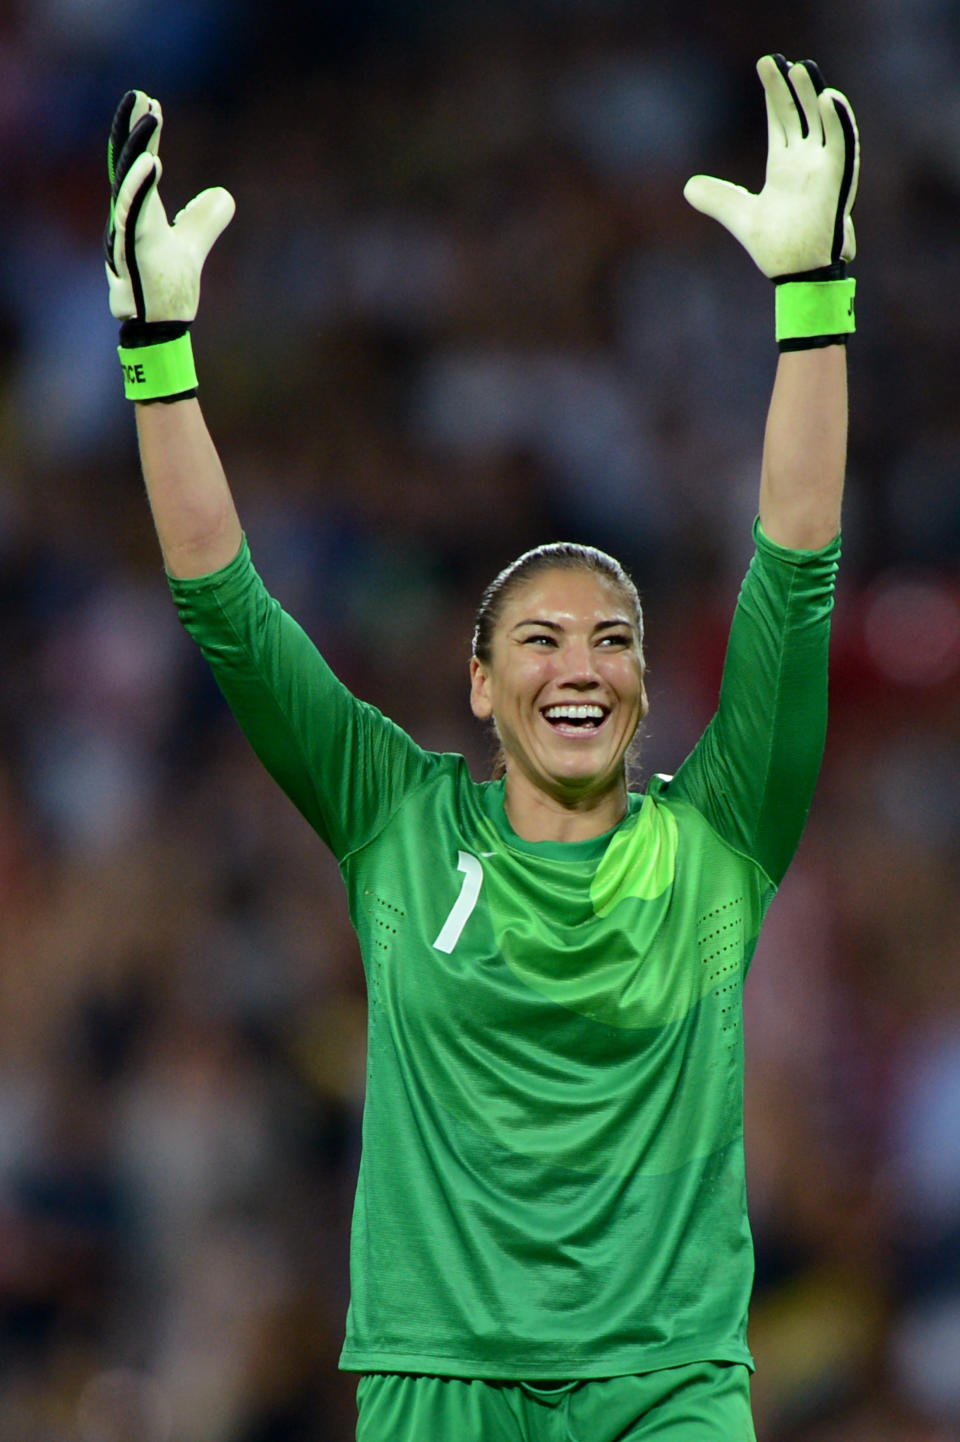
(564, 683)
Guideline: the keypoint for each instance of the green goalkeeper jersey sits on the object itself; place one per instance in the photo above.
(552, 1173)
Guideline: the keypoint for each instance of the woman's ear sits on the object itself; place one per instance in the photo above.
(480, 702)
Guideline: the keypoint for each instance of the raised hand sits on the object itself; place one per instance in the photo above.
(153, 267)
(800, 222)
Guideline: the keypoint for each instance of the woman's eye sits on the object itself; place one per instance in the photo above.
(540, 640)
(615, 640)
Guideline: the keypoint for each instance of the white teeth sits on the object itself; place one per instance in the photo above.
(574, 713)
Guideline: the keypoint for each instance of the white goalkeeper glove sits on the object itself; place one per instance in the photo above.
(799, 226)
(153, 267)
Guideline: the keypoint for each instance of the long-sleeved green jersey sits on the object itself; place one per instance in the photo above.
(552, 1172)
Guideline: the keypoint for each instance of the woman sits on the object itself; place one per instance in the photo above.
(550, 1228)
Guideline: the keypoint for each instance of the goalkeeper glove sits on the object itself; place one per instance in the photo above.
(153, 267)
(798, 229)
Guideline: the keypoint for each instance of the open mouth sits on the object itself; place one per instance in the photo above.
(584, 719)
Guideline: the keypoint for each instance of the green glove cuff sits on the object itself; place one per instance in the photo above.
(814, 313)
(161, 372)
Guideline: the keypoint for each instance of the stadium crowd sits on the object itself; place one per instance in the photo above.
(463, 308)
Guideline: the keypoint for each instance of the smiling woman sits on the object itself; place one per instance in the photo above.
(558, 667)
(550, 1223)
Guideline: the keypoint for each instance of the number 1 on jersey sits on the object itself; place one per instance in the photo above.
(464, 904)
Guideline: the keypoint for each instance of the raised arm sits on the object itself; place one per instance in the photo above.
(799, 231)
(193, 510)
(805, 449)
(753, 771)
(153, 273)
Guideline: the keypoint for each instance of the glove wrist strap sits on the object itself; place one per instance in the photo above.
(157, 362)
(813, 312)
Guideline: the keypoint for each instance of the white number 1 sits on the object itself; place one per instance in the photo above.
(464, 904)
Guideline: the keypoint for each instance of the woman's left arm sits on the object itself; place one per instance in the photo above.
(799, 231)
(805, 449)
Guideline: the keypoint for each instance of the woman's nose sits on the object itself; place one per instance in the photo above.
(580, 663)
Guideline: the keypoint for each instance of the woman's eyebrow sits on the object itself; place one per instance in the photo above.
(534, 621)
(556, 626)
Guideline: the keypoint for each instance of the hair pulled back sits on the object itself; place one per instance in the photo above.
(554, 556)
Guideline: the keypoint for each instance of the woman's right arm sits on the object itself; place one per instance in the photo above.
(153, 276)
(193, 509)
(342, 763)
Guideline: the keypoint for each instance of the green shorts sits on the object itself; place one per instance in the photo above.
(701, 1402)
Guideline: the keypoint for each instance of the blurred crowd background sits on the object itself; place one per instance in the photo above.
(463, 308)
